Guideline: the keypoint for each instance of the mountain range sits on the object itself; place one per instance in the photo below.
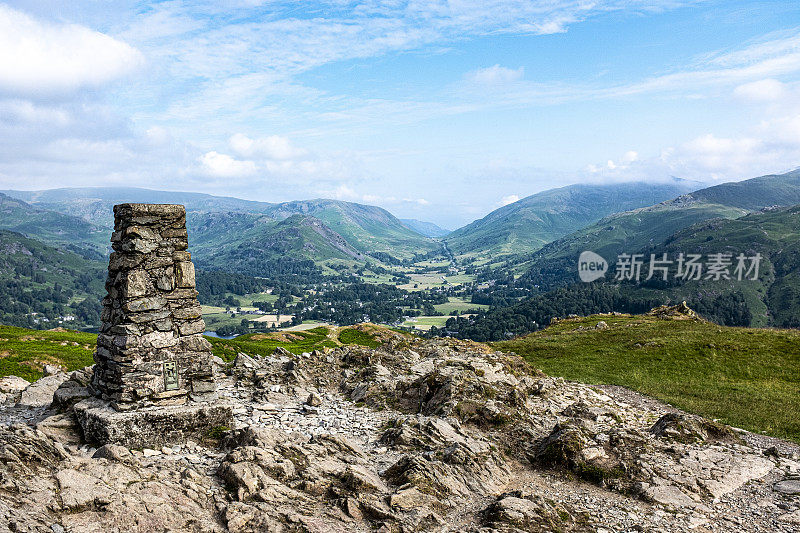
(540, 232)
(530, 223)
(429, 229)
(638, 229)
(536, 240)
(322, 231)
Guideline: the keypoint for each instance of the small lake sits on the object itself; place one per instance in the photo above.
(214, 334)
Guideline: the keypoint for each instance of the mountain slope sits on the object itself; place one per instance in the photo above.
(530, 223)
(366, 228)
(770, 298)
(429, 229)
(299, 240)
(628, 232)
(774, 297)
(221, 222)
(755, 193)
(49, 226)
(43, 286)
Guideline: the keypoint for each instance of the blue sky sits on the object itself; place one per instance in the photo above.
(435, 110)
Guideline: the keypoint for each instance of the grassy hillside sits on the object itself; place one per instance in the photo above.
(366, 228)
(44, 286)
(256, 250)
(756, 193)
(774, 298)
(429, 229)
(627, 232)
(52, 227)
(24, 352)
(748, 378)
(631, 231)
(528, 224)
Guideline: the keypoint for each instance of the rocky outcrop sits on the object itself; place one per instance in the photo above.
(415, 435)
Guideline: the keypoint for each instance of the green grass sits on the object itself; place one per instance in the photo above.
(24, 352)
(265, 343)
(297, 341)
(214, 321)
(425, 322)
(458, 304)
(354, 336)
(749, 378)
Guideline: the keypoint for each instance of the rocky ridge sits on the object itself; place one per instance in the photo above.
(415, 435)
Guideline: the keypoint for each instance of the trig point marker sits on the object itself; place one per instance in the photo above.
(153, 377)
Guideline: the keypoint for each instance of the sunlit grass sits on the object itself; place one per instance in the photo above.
(748, 378)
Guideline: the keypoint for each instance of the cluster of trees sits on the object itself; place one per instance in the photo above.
(356, 302)
(251, 261)
(26, 304)
(43, 287)
(534, 313)
(212, 287)
(728, 309)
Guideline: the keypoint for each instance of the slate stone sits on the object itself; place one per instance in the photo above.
(788, 486)
(152, 321)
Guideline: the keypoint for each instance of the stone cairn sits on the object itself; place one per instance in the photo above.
(153, 381)
(150, 351)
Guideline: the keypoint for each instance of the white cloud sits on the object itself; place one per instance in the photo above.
(761, 91)
(510, 199)
(272, 147)
(43, 59)
(219, 165)
(623, 163)
(771, 146)
(495, 75)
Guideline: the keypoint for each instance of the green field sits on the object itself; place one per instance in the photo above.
(23, 352)
(748, 378)
(425, 322)
(431, 280)
(458, 304)
(215, 321)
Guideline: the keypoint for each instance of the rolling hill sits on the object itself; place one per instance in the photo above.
(218, 225)
(773, 299)
(755, 193)
(298, 238)
(628, 232)
(692, 364)
(528, 224)
(44, 286)
(429, 229)
(52, 227)
(366, 228)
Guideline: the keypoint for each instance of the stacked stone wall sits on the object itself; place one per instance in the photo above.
(150, 350)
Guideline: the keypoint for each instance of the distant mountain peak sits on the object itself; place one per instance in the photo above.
(428, 229)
